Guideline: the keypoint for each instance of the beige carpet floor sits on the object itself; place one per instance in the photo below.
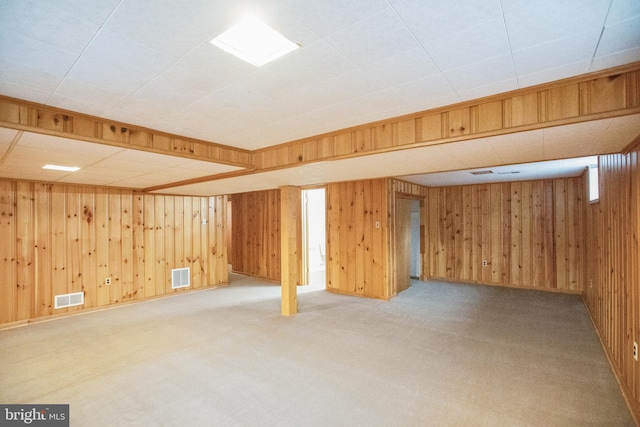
(439, 354)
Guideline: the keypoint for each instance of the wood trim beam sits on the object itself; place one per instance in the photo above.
(30, 117)
(605, 94)
(290, 247)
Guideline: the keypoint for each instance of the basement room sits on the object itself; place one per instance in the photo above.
(302, 213)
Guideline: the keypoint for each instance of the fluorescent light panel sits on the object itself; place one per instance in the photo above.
(61, 168)
(254, 41)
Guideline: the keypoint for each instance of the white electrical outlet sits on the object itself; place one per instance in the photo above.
(635, 351)
(484, 263)
(107, 281)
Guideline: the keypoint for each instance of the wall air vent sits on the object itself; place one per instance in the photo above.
(485, 172)
(180, 278)
(68, 300)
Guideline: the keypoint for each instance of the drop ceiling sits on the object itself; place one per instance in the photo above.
(150, 64)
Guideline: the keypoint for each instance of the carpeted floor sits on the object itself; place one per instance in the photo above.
(439, 354)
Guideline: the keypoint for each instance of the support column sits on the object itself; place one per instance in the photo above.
(290, 247)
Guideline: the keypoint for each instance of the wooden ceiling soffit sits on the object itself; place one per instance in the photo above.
(27, 116)
(610, 93)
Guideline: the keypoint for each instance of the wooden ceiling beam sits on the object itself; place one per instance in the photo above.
(30, 117)
(610, 93)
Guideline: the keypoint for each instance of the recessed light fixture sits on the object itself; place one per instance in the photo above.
(61, 168)
(254, 41)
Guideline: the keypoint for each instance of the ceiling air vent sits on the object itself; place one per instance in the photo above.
(180, 278)
(68, 300)
(485, 172)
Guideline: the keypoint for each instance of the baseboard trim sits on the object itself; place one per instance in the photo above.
(633, 406)
(51, 317)
(500, 285)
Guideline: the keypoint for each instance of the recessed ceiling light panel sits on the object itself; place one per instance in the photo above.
(61, 168)
(254, 41)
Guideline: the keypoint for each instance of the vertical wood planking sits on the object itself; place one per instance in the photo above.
(256, 234)
(138, 257)
(25, 245)
(88, 247)
(66, 238)
(44, 297)
(522, 229)
(612, 274)
(357, 222)
(101, 220)
(8, 252)
(59, 238)
(150, 259)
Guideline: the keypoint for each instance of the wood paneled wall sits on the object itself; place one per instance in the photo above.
(255, 234)
(358, 255)
(60, 239)
(529, 233)
(612, 288)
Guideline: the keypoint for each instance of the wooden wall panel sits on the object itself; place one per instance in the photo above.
(612, 285)
(530, 234)
(256, 234)
(358, 238)
(64, 238)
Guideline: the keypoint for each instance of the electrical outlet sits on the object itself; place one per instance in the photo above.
(377, 224)
(635, 351)
(484, 263)
(107, 281)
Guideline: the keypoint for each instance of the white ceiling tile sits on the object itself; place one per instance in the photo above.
(491, 89)
(51, 24)
(374, 38)
(616, 59)
(483, 73)
(622, 36)
(156, 23)
(518, 148)
(7, 136)
(73, 104)
(116, 63)
(23, 92)
(472, 44)
(556, 53)
(54, 143)
(552, 74)
(88, 93)
(539, 22)
(326, 17)
(348, 85)
(427, 88)
(33, 54)
(429, 20)
(407, 66)
(622, 10)
(430, 102)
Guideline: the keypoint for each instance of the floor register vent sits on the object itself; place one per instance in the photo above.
(180, 278)
(69, 300)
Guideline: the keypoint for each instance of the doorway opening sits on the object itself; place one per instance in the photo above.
(314, 237)
(407, 242)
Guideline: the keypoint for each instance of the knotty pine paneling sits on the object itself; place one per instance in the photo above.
(612, 285)
(256, 234)
(358, 255)
(529, 233)
(63, 238)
